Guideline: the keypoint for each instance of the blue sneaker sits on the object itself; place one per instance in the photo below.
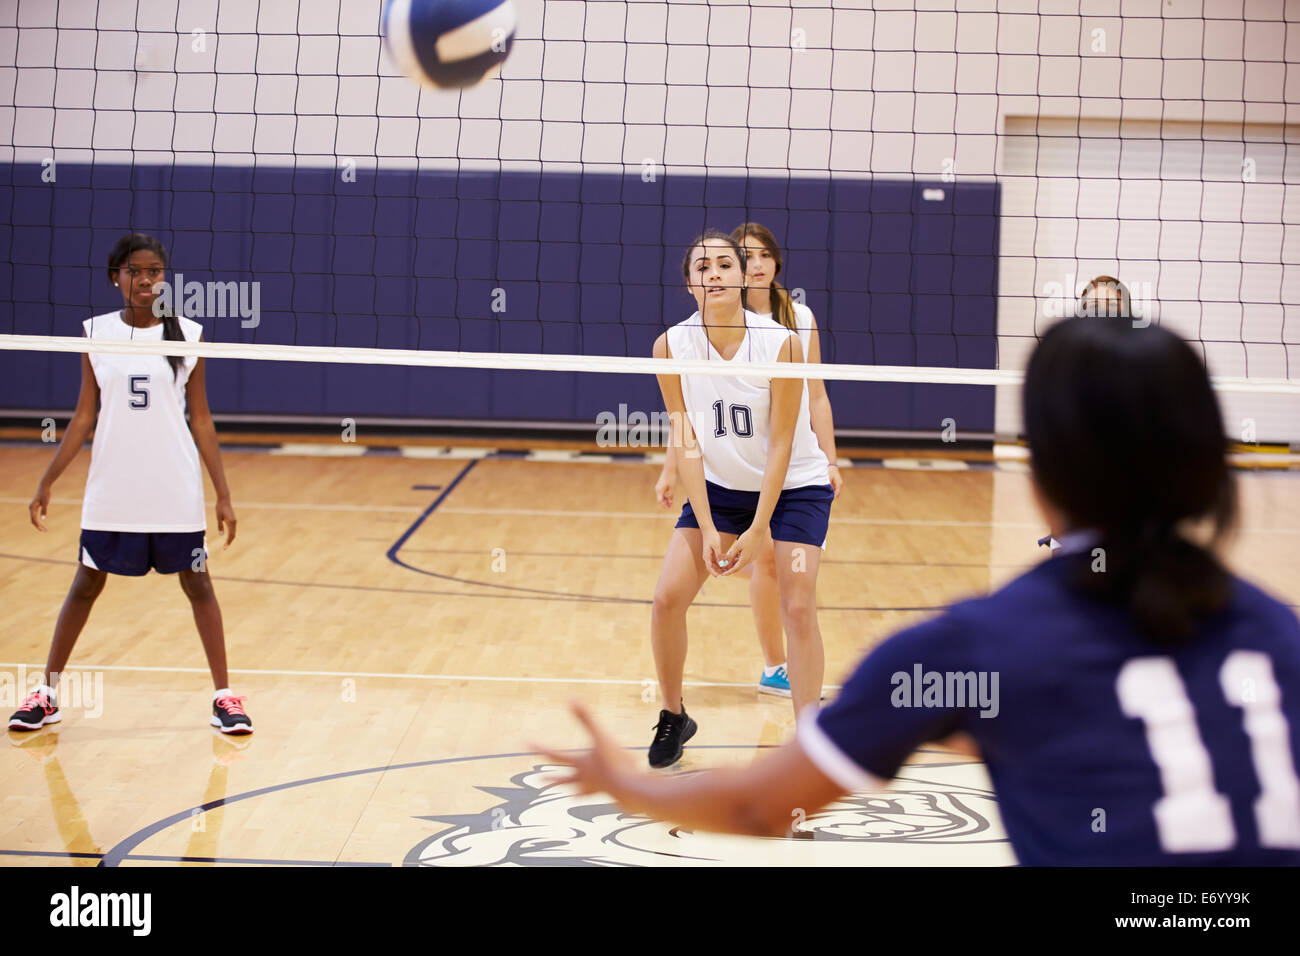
(778, 683)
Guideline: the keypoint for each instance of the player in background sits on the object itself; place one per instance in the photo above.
(765, 296)
(143, 506)
(1147, 707)
(1106, 297)
(753, 475)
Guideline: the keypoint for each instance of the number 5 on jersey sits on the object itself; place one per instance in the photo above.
(139, 393)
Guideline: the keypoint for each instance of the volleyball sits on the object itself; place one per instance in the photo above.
(449, 44)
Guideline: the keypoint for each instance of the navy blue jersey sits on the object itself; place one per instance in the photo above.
(1103, 748)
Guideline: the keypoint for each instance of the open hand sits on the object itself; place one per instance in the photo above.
(597, 770)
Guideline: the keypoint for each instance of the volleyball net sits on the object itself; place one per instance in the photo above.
(943, 185)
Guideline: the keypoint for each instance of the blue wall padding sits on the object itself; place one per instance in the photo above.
(590, 263)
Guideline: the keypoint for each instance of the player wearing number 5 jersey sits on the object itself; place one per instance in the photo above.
(143, 506)
(753, 474)
(1136, 703)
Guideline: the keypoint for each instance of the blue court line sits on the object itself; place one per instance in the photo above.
(63, 853)
(237, 859)
(659, 557)
(524, 593)
(520, 591)
(432, 508)
(542, 596)
(184, 859)
(415, 526)
(531, 595)
(122, 851)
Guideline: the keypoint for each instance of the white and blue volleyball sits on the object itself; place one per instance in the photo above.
(449, 43)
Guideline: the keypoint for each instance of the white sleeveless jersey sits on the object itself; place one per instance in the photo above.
(803, 323)
(144, 466)
(731, 416)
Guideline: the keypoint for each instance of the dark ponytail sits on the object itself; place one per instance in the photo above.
(1126, 438)
(172, 333)
(117, 257)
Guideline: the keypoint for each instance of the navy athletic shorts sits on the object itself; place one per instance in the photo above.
(801, 515)
(135, 552)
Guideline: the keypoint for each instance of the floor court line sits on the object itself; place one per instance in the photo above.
(497, 595)
(256, 505)
(659, 557)
(378, 675)
(884, 522)
(153, 858)
(619, 515)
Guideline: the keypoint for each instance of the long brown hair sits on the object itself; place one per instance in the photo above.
(782, 304)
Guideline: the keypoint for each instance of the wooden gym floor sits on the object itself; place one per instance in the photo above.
(403, 627)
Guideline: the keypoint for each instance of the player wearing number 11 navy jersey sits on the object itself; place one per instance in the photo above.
(1103, 747)
(1148, 702)
(1135, 702)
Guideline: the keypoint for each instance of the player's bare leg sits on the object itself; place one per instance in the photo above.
(680, 578)
(765, 600)
(796, 571)
(86, 587)
(197, 586)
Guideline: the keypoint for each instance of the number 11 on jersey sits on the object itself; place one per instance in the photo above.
(1192, 816)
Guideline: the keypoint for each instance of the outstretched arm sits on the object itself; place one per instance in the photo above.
(763, 799)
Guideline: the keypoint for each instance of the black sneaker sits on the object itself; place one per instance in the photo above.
(228, 714)
(671, 732)
(37, 711)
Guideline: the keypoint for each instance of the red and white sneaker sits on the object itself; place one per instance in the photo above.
(228, 715)
(37, 711)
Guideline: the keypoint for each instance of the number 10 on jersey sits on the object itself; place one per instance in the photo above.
(742, 420)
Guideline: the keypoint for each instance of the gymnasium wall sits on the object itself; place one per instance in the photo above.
(418, 261)
(755, 100)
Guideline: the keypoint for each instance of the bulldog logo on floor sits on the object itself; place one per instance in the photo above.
(939, 815)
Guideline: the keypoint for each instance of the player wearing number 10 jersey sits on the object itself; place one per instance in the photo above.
(753, 472)
(1136, 703)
